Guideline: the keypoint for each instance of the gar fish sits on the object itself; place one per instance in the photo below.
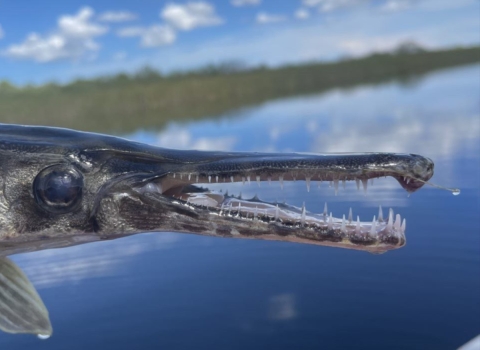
(61, 187)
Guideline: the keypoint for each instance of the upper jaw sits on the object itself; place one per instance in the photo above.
(411, 171)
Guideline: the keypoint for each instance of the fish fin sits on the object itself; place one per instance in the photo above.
(21, 308)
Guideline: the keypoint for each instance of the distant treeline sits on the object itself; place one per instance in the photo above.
(122, 103)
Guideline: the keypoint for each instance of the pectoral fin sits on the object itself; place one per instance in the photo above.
(21, 308)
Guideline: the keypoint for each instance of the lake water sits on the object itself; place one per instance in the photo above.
(176, 291)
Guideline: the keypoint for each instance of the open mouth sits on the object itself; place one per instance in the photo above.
(389, 229)
(187, 187)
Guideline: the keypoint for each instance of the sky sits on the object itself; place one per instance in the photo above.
(60, 41)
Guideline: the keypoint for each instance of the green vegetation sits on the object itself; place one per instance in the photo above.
(122, 103)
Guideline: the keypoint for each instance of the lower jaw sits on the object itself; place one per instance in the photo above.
(300, 225)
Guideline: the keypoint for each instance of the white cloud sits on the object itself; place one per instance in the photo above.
(387, 5)
(130, 31)
(73, 39)
(179, 137)
(117, 16)
(265, 18)
(80, 25)
(312, 3)
(359, 46)
(395, 5)
(190, 15)
(302, 13)
(157, 36)
(444, 5)
(332, 5)
(153, 36)
(2, 32)
(71, 265)
(282, 307)
(239, 3)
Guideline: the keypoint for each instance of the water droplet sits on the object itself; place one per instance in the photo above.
(456, 192)
(43, 336)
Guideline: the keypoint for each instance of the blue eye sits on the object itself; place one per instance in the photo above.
(58, 188)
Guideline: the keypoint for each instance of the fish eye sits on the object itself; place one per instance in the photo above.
(58, 188)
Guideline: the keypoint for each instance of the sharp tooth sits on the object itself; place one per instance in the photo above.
(243, 180)
(239, 208)
(343, 228)
(258, 180)
(189, 177)
(307, 181)
(181, 176)
(269, 180)
(325, 209)
(330, 222)
(373, 230)
(350, 216)
(365, 185)
(408, 180)
(357, 228)
(248, 179)
(174, 175)
(209, 178)
(276, 213)
(335, 182)
(404, 225)
(255, 213)
(390, 220)
(357, 181)
(380, 214)
(281, 181)
(216, 178)
(304, 213)
(196, 178)
(221, 208)
(398, 221)
(231, 178)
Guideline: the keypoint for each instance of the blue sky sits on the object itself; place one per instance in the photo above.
(59, 41)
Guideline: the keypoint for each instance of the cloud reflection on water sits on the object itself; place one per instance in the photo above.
(49, 268)
(282, 307)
